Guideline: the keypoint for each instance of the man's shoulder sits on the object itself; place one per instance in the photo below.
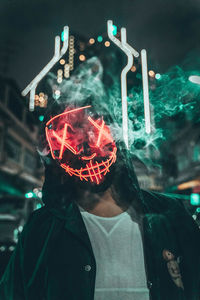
(161, 202)
(162, 206)
(39, 220)
(38, 215)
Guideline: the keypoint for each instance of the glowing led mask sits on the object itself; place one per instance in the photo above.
(82, 144)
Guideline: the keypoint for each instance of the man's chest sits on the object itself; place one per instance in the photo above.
(118, 250)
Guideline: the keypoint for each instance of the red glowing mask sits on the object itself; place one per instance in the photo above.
(81, 144)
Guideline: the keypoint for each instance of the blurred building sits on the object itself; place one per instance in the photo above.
(184, 166)
(9, 49)
(20, 167)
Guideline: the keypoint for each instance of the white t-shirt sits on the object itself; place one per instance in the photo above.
(118, 250)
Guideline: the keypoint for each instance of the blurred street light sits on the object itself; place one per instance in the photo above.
(100, 39)
(82, 57)
(195, 199)
(107, 44)
(158, 76)
(194, 79)
(29, 195)
(151, 73)
(91, 41)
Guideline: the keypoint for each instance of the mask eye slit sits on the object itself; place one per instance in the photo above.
(108, 146)
(79, 147)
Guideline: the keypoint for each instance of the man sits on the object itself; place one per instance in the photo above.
(99, 236)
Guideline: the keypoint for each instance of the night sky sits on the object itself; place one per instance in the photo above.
(169, 30)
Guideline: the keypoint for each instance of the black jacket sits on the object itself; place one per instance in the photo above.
(54, 259)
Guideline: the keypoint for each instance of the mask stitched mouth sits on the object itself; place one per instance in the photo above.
(82, 145)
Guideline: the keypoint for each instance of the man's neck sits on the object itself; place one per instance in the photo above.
(105, 207)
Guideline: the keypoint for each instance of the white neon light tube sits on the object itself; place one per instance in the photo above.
(117, 42)
(58, 53)
(145, 91)
(124, 87)
(32, 99)
(129, 51)
(65, 42)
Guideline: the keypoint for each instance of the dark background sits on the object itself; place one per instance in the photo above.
(169, 30)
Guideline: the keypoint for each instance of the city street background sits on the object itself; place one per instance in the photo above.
(168, 160)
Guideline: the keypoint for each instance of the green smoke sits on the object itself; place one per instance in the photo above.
(174, 102)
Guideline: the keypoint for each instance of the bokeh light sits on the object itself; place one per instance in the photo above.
(100, 39)
(82, 57)
(107, 44)
(158, 76)
(133, 69)
(91, 41)
(151, 73)
(62, 61)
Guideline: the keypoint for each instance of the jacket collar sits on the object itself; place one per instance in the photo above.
(75, 224)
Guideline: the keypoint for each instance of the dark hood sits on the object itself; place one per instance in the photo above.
(60, 189)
